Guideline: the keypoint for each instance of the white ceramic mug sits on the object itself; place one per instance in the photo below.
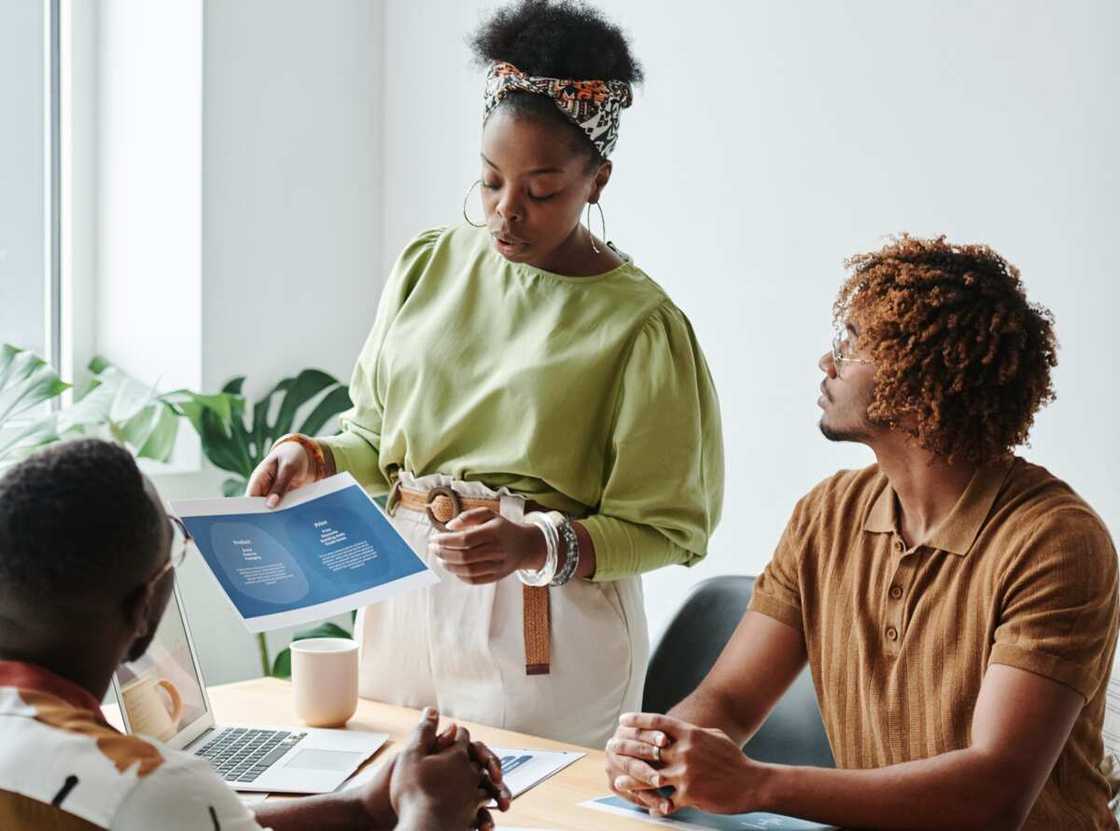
(325, 680)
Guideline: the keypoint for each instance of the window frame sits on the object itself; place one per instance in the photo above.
(53, 114)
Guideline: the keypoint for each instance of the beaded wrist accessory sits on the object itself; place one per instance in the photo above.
(571, 554)
(312, 448)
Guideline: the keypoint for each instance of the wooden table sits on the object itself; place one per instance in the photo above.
(554, 804)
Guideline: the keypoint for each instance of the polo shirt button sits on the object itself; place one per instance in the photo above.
(896, 592)
(898, 545)
(892, 634)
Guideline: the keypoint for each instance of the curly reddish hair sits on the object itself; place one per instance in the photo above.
(962, 359)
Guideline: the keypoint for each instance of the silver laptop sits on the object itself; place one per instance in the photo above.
(162, 696)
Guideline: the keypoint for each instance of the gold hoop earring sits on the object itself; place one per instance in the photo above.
(602, 223)
(466, 199)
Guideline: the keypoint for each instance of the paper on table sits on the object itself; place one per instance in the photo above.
(521, 769)
(325, 549)
(364, 776)
(525, 769)
(689, 818)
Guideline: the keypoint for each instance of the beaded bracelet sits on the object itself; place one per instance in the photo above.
(311, 447)
(571, 554)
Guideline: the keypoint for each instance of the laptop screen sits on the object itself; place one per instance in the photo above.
(161, 692)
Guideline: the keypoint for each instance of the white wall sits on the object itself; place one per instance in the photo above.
(147, 142)
(771, 140)
(270, 110)
(291, 218)
(291, 201)
(291, 222)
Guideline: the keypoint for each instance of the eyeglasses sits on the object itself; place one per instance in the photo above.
(180, 542)
(842, 348)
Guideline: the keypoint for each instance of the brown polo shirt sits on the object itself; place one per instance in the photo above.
(1022, 572)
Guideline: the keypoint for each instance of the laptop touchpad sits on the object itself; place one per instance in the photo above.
(324, 760)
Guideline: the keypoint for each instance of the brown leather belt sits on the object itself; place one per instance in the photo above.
(442, 504)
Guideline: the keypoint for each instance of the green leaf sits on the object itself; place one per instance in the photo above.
(321, 630)
(238, 441)
(26, 381)
(221, 449)
(161, 439)
(306, 386)
(233, 487)
(130, 411)
(262, 650)
(130, 396)
(89, 411)
(241, 444)
(192, 405)
(97, 364)
(212, 417)
(129, 407)
(282, 666)
(262, 436)
(113, 405)
(16, 442)
(334, 402)
(139, 429)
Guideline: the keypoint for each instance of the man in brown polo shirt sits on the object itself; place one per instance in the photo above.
(957, 605)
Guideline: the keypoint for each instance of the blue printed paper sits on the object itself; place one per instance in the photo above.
(325, 549)
(690, 818)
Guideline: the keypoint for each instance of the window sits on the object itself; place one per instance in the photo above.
(29, 181)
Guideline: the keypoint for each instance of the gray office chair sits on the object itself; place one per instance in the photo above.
(793, 734)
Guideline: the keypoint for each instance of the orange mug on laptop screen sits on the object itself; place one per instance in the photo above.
(154, 707)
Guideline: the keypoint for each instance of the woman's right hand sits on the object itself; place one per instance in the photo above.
(287, 466)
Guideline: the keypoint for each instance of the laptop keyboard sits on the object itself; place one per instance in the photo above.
(240, 754)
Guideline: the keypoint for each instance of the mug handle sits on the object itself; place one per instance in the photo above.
(176, 700)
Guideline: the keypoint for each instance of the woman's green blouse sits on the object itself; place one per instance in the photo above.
(589, 395)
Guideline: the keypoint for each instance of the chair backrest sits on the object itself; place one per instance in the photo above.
(793, 733)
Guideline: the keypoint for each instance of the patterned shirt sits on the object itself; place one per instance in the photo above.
(63, 768)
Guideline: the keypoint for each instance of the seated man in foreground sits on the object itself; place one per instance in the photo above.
(956, 604)
(87, 559)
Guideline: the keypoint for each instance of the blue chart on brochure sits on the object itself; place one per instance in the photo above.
(689, 818)
(325, 549)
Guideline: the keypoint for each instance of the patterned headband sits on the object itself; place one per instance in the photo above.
(593, 106)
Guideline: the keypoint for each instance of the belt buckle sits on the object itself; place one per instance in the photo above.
(456, 505)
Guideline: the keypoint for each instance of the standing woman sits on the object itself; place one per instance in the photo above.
(537, 410)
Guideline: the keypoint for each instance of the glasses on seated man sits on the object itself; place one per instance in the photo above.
(956, 604)
(87, 562)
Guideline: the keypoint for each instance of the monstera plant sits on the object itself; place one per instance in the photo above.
(240, 444)
(114, 405)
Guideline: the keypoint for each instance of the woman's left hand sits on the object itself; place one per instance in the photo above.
(481, 546)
